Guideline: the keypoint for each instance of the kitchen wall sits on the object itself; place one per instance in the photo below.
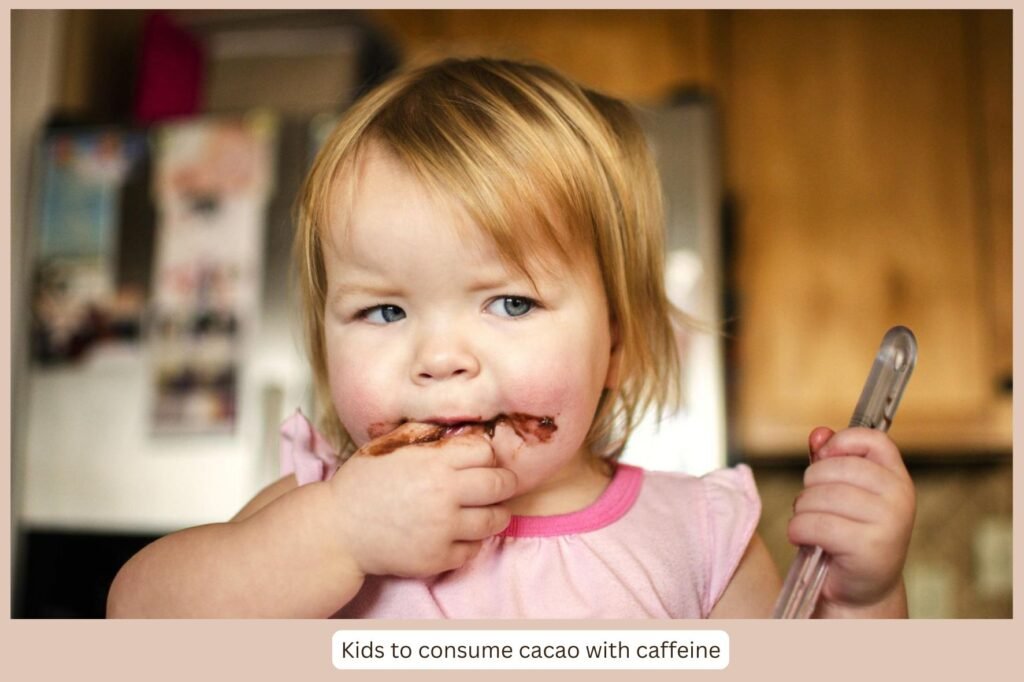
(35, 81)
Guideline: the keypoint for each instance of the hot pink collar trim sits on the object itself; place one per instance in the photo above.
(612, 505)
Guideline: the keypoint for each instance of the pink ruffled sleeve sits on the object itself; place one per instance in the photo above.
(733, 509)
(305, 452)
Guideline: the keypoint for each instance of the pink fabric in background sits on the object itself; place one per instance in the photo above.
(653, 545)
(171, 71)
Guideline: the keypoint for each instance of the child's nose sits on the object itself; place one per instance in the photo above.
(443, 357)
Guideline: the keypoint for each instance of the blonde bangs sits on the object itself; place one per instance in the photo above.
(499, 148)
(549, 172)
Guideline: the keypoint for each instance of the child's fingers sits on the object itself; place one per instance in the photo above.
(461, 553)
(870, 444)
(848, 501)
(855, 471)
(817, 438)
(478, 523)
(466, 451)
(480, 486)
(830, 532)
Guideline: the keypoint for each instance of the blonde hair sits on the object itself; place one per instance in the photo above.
(543, 167)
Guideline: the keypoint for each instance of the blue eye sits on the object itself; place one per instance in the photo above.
(382, 314)
(511, 306)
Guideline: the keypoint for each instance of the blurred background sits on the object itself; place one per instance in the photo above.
(828, 174)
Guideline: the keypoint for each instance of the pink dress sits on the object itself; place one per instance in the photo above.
(653, 545)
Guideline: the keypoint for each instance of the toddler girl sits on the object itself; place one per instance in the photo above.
(480, 257)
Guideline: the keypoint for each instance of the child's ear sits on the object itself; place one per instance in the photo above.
(611, 379)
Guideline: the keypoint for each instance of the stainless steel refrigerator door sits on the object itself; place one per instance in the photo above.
(685, 144)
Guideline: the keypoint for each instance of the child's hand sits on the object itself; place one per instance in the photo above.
(422, 509)
(857, 505)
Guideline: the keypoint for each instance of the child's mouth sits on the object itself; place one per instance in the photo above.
(530, 428)
(527, 426)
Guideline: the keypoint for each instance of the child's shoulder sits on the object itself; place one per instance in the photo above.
(729, 484)
(709, 520)
(722, 503)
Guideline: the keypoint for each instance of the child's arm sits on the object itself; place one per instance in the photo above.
(304, 552)
(754, 586)
(266, 496)
(274, 563)
(857, 505)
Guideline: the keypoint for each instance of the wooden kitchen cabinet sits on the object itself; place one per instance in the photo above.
(640, 56)
(869, 154)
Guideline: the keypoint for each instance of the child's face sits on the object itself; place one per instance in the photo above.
(422, 325)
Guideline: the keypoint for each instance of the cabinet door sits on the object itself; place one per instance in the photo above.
(855, 155)
(637, 55)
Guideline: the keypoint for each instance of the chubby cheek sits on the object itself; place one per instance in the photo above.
(358, 391)
(569, 394)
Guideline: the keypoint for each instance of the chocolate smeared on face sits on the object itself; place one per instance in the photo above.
(378, 429)
(388, 438)
(529, 428)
